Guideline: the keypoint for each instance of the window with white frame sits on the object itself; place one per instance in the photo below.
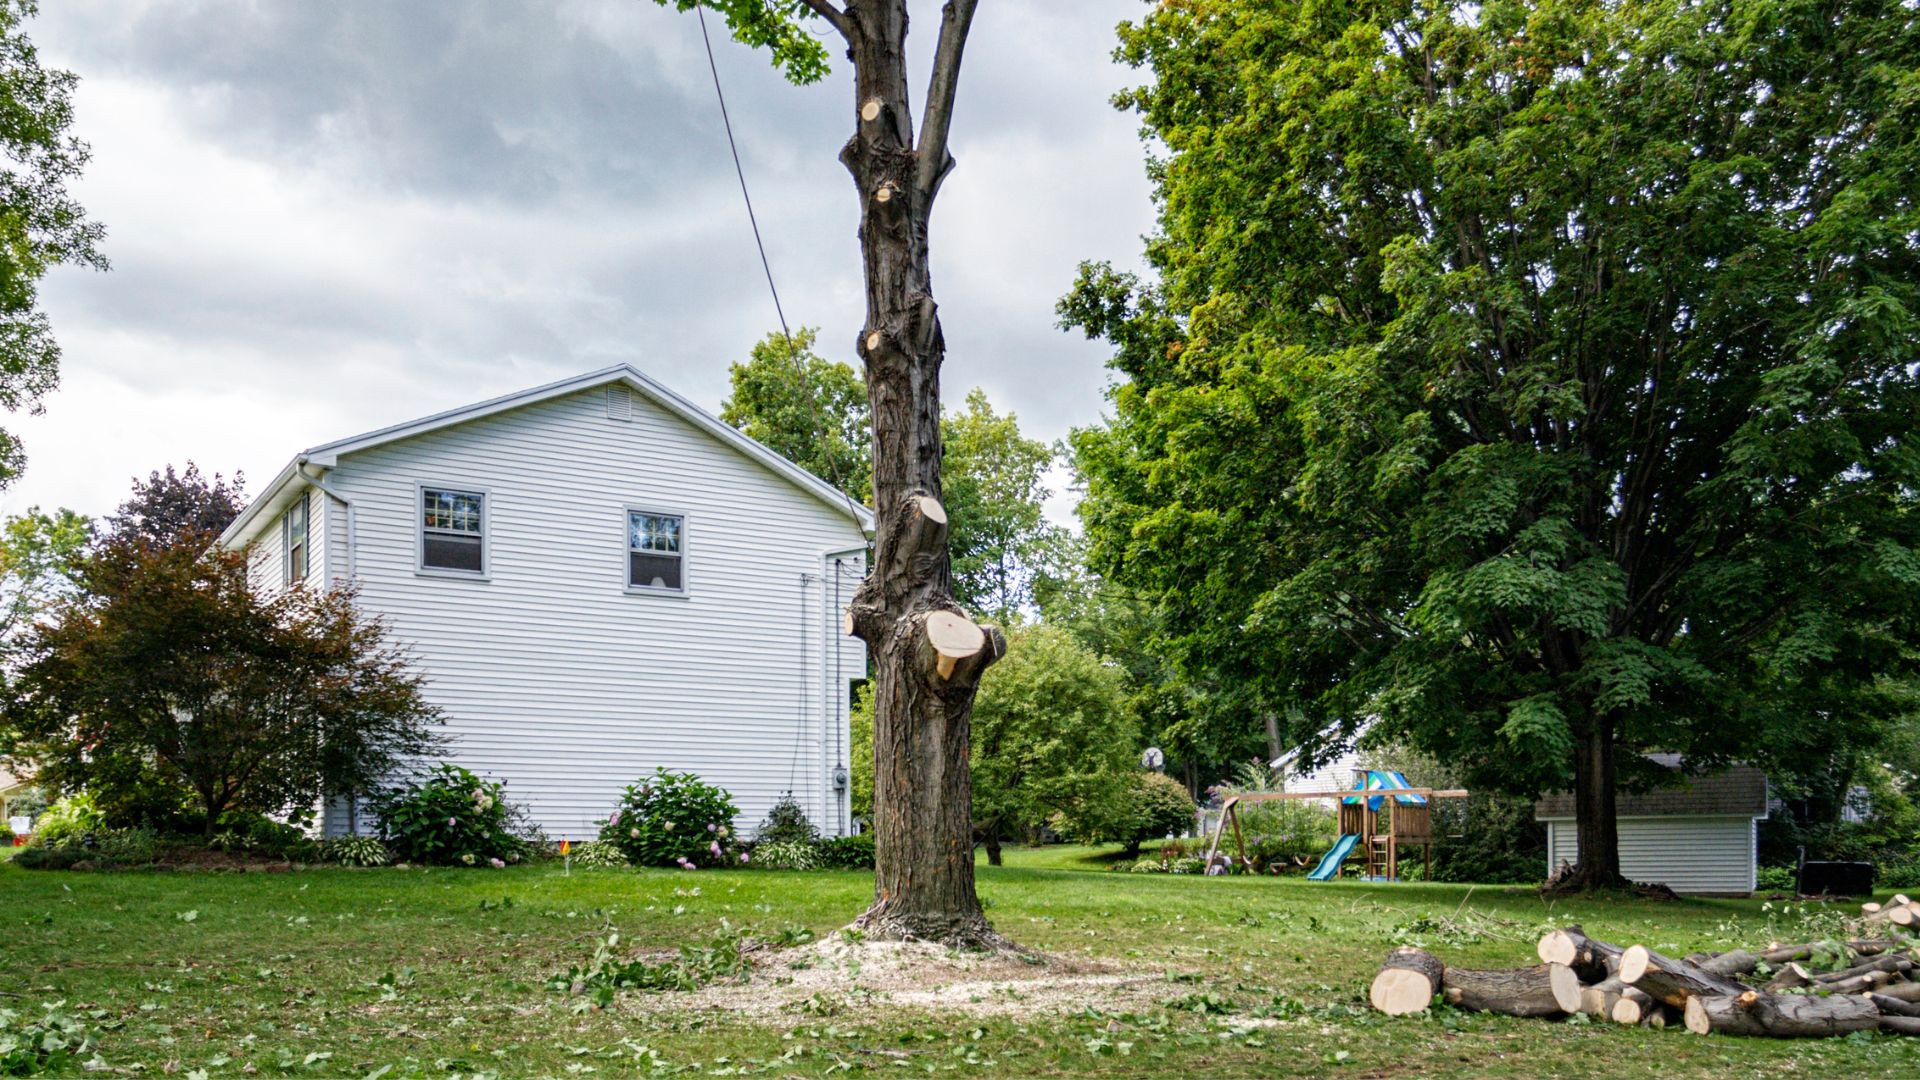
(656, 551)
(453, 530)
(293, 540)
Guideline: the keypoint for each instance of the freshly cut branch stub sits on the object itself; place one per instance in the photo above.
(873, 340)
(953, 637)
(871, 110)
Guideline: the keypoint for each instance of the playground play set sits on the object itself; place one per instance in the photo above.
(1391, 817)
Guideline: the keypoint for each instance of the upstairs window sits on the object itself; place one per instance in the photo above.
(453, 530)
(293, 540)
(656, 551)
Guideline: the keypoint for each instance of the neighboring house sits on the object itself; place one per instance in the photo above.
(1698, 835)
(14, 790)
(596, 578)
(1336, 774)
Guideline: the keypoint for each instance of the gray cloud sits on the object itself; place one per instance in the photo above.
(326, 217)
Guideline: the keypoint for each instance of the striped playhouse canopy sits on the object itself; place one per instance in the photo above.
(1384, 780)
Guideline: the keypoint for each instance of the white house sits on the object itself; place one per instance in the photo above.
(1699, 834)
(596, 578)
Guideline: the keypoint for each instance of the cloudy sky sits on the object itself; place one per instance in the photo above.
(326, 217)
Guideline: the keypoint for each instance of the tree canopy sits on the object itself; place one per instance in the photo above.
(171, 508)
(996, 492)
(809, 410)
(1537, 378)
(41, 224)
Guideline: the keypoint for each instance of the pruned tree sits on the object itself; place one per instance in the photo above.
(928, 655)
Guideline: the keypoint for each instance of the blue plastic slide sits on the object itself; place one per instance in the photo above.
(1330, 862)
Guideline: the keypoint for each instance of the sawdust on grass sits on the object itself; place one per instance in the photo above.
(839, 974)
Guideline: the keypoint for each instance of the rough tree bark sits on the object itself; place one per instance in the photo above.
(1594, 806)
(927, 655)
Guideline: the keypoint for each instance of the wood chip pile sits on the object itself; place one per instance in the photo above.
(1809, 990)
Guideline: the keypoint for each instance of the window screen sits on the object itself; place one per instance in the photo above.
(656, 555)
(452, 528)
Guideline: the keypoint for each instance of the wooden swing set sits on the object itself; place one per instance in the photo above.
(1380, 834)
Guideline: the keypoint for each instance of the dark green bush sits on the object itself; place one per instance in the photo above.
(673, 819)
(244, 832)
(450, 818)
(786, 823)
(104, 849)
(846, 852)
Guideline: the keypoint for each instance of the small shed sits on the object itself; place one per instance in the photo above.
(1699, 834)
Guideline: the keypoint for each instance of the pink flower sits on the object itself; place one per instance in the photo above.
(615, 819)
(743, 856)
(711, 827)
(497, 864)
(453, 821)
(715, 848)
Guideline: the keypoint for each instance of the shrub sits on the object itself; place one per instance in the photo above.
(449, 818)
(785, 855)
(250, 833)
(1776, 879)
(1158, 806)
(355, 851)
(672, 819)
(67, 821)
(102, 848)
(786, 823)
(597, 855)
(56, 1041)
(6, 835)
(846, 852)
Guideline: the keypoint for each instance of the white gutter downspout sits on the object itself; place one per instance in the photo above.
(300, 466)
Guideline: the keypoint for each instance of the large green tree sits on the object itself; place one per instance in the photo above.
(1003, 545)
(810, 410)
(41, 225)
(1537, 378)
(1051, 736)
(39, 558)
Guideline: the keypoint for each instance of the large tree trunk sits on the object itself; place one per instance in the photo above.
(1595, 824)
(927, 654)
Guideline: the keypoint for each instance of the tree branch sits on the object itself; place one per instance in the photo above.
(833, 15)
(955, 19)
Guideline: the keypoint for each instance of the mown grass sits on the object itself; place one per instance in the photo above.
(436, 972)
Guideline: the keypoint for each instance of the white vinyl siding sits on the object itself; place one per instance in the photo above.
(266, 556)
(1688, 854)
(561, 681)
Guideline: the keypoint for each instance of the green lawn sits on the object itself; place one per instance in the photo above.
(337, 972)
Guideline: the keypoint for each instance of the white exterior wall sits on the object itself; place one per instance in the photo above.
(266, 558)
(556, 679)
(1688, 854)
(1335, 775)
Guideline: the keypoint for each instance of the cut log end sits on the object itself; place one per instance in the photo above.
(930, 509)
(1566, 987)
(1633, 963)
(871, 110)
(1400, 991)
(873, 341)
(846, 621)
(954, 637)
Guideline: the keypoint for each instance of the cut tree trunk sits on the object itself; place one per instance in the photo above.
(1593, 960)
(1737, 962)
(1407, 981)
(1792, 976)
(1784, 1016)
(1598, 1000)
(1908, 991)
(1878, 963)
(1671, 981)
(927, 655)
(1900, 1025)
(1633, 1007)
(1543, 990)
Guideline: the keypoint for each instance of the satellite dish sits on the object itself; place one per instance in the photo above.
(1153, 759)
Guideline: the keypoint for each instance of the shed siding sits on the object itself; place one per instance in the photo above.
(558, 681)
(1688, 854)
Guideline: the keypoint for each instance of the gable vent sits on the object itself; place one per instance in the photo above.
(619, 403)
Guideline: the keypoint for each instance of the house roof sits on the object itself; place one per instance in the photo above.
(294, 478)
(1739, 791)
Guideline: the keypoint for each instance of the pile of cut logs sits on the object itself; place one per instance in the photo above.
(1780, 991)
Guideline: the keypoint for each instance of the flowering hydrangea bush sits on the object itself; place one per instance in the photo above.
(673, 819)
(450, 817)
